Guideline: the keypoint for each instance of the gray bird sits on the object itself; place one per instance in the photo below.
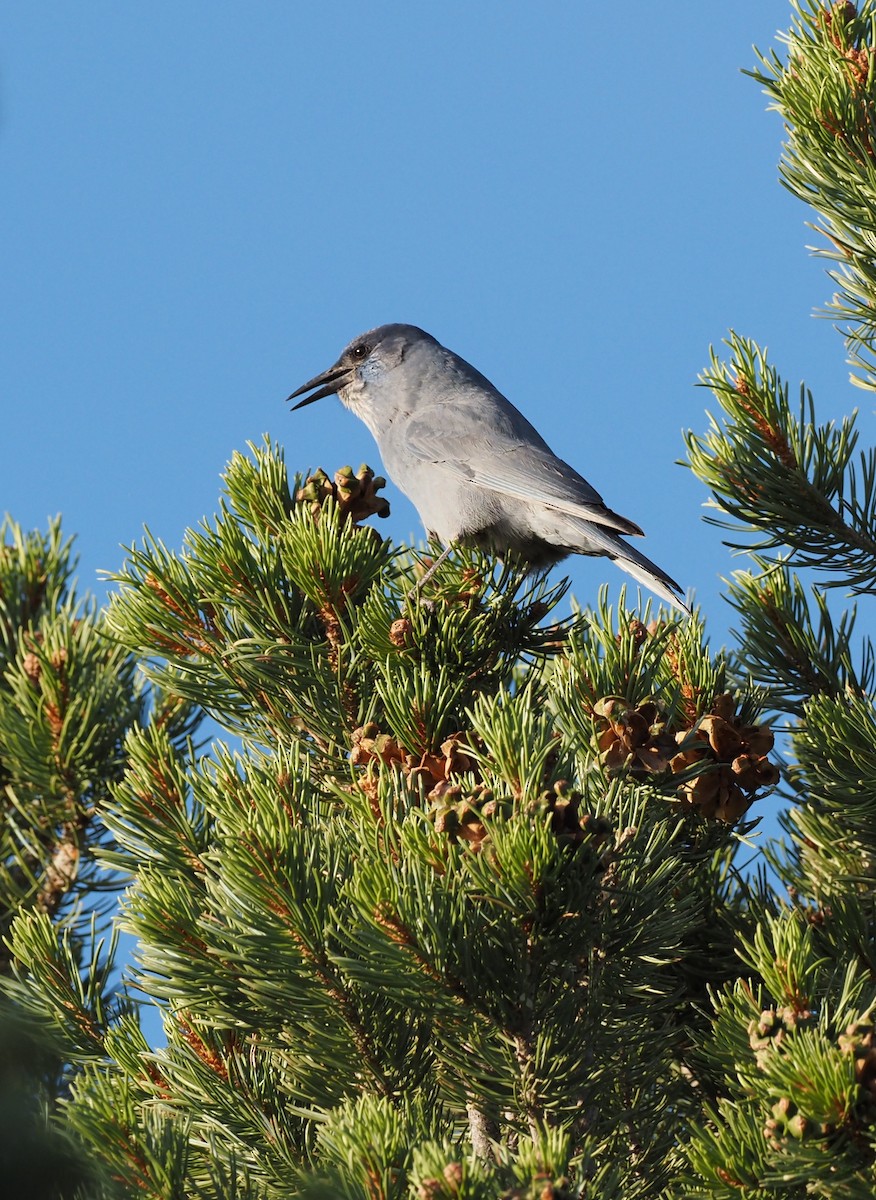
(475, 469)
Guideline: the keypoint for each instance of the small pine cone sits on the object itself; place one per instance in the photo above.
(568, 823)
(427, 770)
(444, 793)
(702, 793)
(355, 495)
(772, 1132)
(456, 759)
(59, 659)
(721, 736)
(724, 706)
(54, 719)
(599, 829)
(765, 1026)
(401, 633)
(613, 753)
(733, 805)
(461, 822)
(840, 13)
(369, 743)
(690, 753)
(315, 491)
(859, 61)
(32, 666)
(753, 773)
(759, 740)
(447, 821)
(453, 1175)
(798, 1126)
(561, 801)
(858, 1040)
(639, 631)
(363, 743)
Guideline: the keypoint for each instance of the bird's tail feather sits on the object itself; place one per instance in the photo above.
(601, 541)
(649, 574)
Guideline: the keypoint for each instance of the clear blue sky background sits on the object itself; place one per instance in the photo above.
(202, 203)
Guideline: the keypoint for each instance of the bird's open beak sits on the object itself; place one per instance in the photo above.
(328, 383)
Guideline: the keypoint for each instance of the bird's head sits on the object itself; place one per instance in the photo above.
(361, 375)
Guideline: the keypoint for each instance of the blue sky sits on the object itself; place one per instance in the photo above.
(202, 203)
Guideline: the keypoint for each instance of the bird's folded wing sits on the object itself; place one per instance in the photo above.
(499, 462)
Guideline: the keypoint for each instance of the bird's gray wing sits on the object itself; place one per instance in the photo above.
(501, 452)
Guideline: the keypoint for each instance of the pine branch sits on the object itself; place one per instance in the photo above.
(67, 698)
(823, 90)
(777, 473)
(787, 653)
(799, 1075)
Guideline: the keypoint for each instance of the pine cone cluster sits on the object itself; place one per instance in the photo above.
(454, 811)
(457, 807)
(355, 495)
(787, 1122)
(370, 744)
(541, 1187)
(633, 736)
(732, 756)
(767, 1032)
(459, 812)
(568, 822)
(735, 756)
(766, 1035)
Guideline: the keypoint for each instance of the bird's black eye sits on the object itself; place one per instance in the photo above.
(361, 351)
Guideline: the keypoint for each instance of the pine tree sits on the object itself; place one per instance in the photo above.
(465, 907)
(793, 1037)
(68, 697)
(401, 935)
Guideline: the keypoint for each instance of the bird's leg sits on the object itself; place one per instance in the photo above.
(433, 568)
(442, 557)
